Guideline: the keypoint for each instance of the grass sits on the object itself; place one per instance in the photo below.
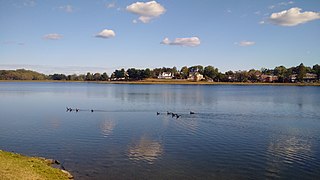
(18, 167)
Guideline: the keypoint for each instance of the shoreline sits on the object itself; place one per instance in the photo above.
(171, 82)
(18, 166)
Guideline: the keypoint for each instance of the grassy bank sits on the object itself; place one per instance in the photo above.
(16, 166)
(175, 81)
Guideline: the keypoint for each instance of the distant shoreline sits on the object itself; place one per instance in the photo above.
(170, 82)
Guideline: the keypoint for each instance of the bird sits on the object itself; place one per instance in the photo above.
(91, 110)
(158, 113)
(77, 109)
(191, 112)
(178, 116)
(168, 113)
(173, 114)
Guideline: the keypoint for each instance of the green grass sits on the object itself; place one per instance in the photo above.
(15, 167)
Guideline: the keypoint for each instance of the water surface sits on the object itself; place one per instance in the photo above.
(237, 132)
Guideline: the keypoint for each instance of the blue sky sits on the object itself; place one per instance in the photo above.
(67, 36)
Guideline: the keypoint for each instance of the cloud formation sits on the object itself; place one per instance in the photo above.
(53, 36)
(192, 41)
(246, 43)
(106, 33)
(146, 10)
(293, 17)
(281, 4)
(66, 8)
(111, 5)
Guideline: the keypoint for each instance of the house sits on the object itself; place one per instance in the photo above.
(293, 78)
(165, 75)
(268, 78)
(310, 77)
(195, 76)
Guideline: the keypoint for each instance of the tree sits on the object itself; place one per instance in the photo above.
(301, 72)
(210, 72)
(253, 75)
(280, 71)
(89, 77)
(119, 74)
(197, 68)
(316, 70)
(104, 76)
(184, 72)
(97, 77)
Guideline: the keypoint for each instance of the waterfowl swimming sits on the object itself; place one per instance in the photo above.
(191, 112)
(173, 114)
(168, 113)
(158, 113)
(91, 110)
(178, 116)
(77, 109)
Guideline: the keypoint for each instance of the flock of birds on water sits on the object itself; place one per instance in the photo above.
(158, 113)
(174, 114)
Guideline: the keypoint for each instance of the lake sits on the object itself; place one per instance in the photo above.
(237, 132)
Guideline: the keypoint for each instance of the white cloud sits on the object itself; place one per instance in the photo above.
(293, 17)
(146, 10)
(192, 41)
(29, 3)
(281, 4)
(67, 8)
(245, 43)
(111, 5)
(106, 33)
(53, 36)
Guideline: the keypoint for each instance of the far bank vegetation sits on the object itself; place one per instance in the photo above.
(279, 74)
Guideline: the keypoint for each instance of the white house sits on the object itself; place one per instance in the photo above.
(165, 75)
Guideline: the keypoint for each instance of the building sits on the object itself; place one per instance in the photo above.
(268, 78)
(195, 76)
(165, 75)
(310, 77)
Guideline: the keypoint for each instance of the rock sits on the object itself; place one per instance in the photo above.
(68, 174)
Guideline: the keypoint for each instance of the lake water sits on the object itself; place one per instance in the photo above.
(237, 132)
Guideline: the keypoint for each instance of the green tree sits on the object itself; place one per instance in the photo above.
(104, 76)
(197, 68)
(210, 72)
(97, 77)
(184, 72)
(280, 71)
(89, 77)
(316, 70)
(301, 72)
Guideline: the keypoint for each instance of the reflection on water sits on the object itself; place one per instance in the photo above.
(288, 150)
(145, 150)
(107, 127)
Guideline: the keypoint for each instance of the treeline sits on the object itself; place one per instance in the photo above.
(298, 73)
(22, 74)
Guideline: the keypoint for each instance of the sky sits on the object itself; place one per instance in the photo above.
(76, 36)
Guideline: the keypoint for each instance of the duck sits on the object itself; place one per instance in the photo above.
(158, 113)
(191, 112)
(91, 110)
